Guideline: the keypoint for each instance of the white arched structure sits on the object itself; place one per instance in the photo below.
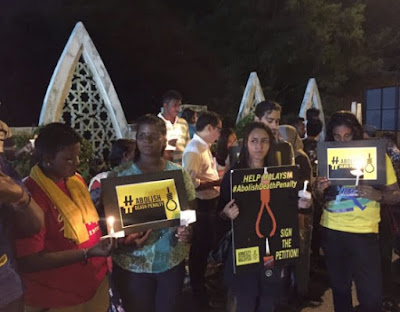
(312, 99)
(82, 94)
(253, 94)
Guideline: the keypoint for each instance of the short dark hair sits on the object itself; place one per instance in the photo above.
(150, 119)
(312, 113)
(344, 118)
(118, 149)
(53, 137)
(266, 107)
(207, 118)
(294, 121)
(188, 114)
(171, 95)
(314, 127)
(244, 158)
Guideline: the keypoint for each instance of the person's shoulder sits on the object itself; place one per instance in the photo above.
(183, 122)
(128, 168)
(193, 146)
(169, 165)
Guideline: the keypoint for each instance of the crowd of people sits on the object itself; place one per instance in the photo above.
(52, 257)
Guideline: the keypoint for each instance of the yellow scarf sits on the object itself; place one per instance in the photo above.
(76, 212)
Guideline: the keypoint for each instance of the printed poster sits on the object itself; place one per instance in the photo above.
(266, 232)
(141, 202)
(342, 162)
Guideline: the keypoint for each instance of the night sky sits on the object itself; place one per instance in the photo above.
(144, 46)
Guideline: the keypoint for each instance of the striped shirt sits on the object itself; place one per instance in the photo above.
(178, 130)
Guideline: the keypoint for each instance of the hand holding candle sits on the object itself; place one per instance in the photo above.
(358, 170)
(304, 193)
(111, 232)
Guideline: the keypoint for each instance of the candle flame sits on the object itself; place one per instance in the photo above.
(111, 220)
(359, 164)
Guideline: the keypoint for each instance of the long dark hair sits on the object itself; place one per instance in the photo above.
(118, 149)
(244, 156)
(222, 149)
(344, 118)
(150, 119)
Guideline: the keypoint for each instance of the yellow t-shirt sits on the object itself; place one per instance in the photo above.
(349, 213)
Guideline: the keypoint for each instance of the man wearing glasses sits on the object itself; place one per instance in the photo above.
(199, 162)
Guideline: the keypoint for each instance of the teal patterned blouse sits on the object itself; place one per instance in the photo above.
(162, 251)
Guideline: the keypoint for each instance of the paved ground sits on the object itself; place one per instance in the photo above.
(320, 296)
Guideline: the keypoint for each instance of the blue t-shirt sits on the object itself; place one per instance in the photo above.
(162, 250)
(10, 282)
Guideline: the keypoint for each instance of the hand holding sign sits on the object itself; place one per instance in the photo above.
(135, 239)
(322, 184)
(367, 191)
(231, 210)
(184, 234)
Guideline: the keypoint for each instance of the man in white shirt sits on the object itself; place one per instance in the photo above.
(199, 162)
(177, 128)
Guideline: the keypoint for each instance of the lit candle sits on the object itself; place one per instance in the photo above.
(358, 170)
(111, 232)
(304, 193)
(267, 250)
(110, 221)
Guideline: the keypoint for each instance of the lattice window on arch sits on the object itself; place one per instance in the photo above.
(85, 111)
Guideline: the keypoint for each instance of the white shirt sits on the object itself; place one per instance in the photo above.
(178, 130)
(201, 165)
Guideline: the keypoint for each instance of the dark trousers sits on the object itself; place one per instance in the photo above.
(203, 241)
(255, 291)
(386, 247)
(148, 292)
(351, 256)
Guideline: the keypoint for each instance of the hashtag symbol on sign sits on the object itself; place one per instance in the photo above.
(335, 161)
(128, 202)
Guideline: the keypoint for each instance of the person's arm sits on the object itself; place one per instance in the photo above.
(28, 217)
(191, 163)
(51, 260)
(26, 214)
(389, 194)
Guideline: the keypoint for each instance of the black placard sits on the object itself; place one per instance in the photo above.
(268, 210)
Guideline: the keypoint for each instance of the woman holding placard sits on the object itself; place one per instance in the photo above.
(150, 278)
(64, 265)
(349, 223)
(258, 290)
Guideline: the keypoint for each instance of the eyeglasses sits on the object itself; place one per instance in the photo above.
(219, 128)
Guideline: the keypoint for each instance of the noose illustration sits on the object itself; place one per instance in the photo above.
(171, 205)
(265, 197)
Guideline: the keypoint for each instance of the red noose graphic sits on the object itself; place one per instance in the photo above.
(265, 197)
